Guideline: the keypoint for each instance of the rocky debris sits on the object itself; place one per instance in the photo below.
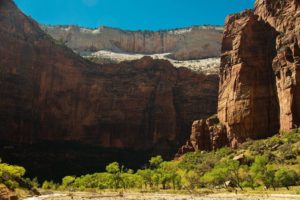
(188, 147)
(48, 93)
(207, 134)
(183, 44)
(229, 184)
(240, 158)
(275, 147)
(6, 194)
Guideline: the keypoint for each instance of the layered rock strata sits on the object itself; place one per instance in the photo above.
(259, 74)
(182, 44)
(47, 92)
(248, 104)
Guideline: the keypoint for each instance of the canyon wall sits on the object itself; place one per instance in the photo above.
(248, 104)
(182, 44)
(259, 89)
(259, 76)
(283, 16)
(48, 93)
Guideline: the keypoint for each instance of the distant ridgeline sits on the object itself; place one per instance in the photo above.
(183, 44)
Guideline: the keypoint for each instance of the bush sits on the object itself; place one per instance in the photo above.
(131, 181)
(147, 176)
(228, 170)
(68, 181)
(285, 178)
(263, 172)
(155, 162)
(98, 180)
(9, 174)
(49, 185)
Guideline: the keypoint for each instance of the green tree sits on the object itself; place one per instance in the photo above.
(155, 162)
(263, 172)
(215, 177)
(169, 175)
(195, 165)
(49, 185)
(131, 180)
(116, 172)
(147, 176)
(68, 181)
(285, 178)
(249, 180)
(98, 180)
(10, 175)
(229, 170)
(113, 168)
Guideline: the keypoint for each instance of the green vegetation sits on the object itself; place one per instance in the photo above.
(267, 164)
(270, 164)
(12, 177)
(9, 175)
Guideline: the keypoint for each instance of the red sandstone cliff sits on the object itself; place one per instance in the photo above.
(49, 93)
(248, 104)
(283, 16)
(259, 92)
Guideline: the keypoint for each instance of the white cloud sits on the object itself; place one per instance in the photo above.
(90, 2)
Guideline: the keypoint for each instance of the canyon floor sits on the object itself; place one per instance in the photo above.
(163, 196)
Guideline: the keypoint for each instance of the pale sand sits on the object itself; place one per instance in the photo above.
(161, 196)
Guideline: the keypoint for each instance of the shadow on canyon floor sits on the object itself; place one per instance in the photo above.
(54, 160)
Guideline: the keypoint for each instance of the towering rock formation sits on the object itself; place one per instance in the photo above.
(183, 44)
(48, 93)
(248, 104)
(259, 74)
(283, 16)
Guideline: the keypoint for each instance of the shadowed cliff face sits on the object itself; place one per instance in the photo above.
(48, 93)
(259, 77)
(284, 17)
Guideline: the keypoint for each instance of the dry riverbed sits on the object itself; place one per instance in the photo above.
(161, 196)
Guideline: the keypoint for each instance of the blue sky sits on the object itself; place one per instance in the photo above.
(132, 14)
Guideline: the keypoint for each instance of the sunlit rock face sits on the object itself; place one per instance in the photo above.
(248, 103)
(259, 80)
(196, 48)
(259, 77)
(183, 44)
(284, 17)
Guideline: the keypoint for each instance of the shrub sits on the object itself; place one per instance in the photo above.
(9, 174)
(285, 178)
(228, 170)
(49, 185)
(155, 162)
(147, 176)
(263, 172)
(68, 181)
